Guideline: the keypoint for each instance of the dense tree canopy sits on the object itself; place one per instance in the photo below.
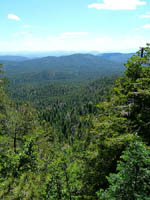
(75, 141)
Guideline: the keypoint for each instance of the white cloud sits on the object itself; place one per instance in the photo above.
(147, 15)
(13, 17)
(72, 35)
(15, 34)
(146, 26)
(118, 4)
(91, 42)
(27, 26)
(137, 29)
(98, 43)
(20, 34)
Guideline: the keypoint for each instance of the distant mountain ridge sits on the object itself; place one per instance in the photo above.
(13, 58)
(39, 54)
(34, 55)
(75, 66)
(117, 57)
(73, 63)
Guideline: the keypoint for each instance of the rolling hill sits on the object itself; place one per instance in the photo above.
(117, 57)
(63, 67)
(13, 58)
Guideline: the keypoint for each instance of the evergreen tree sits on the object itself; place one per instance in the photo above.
(132, 180)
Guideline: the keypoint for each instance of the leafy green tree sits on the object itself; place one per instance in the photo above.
(132, 94)
(19, 173)
(125, 112)
(64, 176)
(132, 180)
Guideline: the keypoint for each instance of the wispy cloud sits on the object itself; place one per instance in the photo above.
(28, 42)
(137, 29)
(146, 26)
(147, 15)
(27, 26)
(22, 34)
(13, 17)
(118, 4)
(72, 34)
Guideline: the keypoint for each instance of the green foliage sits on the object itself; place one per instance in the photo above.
(64, 178)
(76, 67)
(18, 172)
(67, 146)
(58, 101)
(132, 179)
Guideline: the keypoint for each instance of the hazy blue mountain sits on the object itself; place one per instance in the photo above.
(13, 58)
(41, 54)
(72, 63)
(117, 57)
(64, 67)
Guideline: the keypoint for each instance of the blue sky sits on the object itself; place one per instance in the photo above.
(78, 25)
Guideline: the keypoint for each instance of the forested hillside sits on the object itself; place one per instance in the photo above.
(117, 57)
(76, 66)
(81, 141)
(13, 58)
